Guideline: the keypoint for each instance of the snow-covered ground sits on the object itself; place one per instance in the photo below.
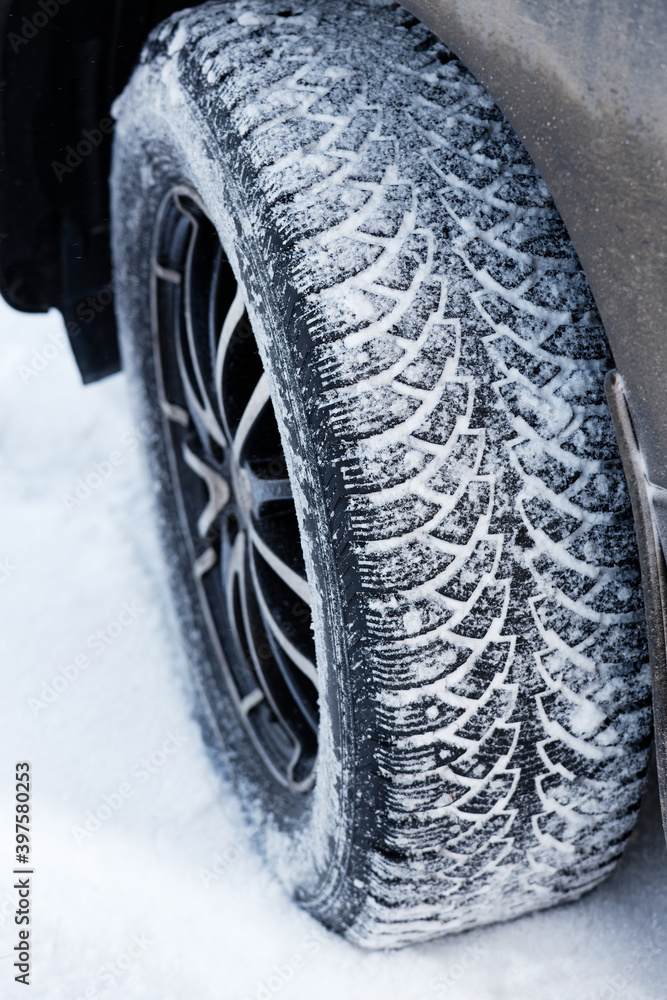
(163, 899)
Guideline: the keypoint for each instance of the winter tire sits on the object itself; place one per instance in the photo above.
(373, 375)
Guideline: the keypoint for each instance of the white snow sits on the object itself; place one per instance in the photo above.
(412, 621)
(249, 19)
(178, 41)
(162, 897)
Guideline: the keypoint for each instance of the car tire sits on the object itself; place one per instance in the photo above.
(465, 737)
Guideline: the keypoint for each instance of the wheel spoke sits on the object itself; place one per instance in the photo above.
(260, 397)
(205, 562)
(267, 490)
(280, 568)
(237, 577)
(252, 700)
(218, 490)
(166, 274)
(203, 416)
(204, 413)
(175, 413)
(231, 321)
(306, 666)
(292, 783)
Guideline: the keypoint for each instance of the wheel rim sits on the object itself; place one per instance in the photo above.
(233, 491)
